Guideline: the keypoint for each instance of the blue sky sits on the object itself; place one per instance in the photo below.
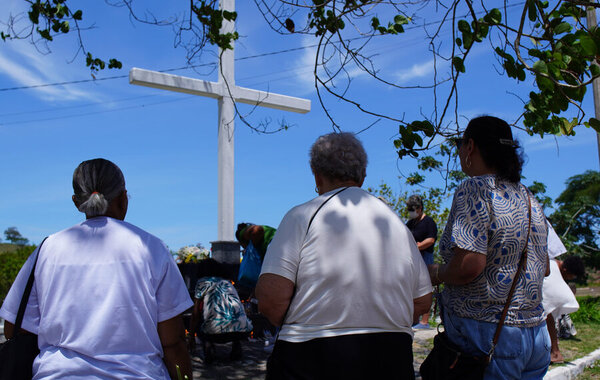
(166, 143)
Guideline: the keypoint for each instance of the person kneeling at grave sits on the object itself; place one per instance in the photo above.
(219, 312)
(343, 277)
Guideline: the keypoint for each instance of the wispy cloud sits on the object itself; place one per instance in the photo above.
(26, 66)
(418, 70)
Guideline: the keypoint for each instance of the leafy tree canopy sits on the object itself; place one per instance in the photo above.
(13, 235)
(546, 43)
(577, 217)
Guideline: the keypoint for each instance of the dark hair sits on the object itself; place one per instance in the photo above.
(240, 228)
(95, 183)
(211, 268)
(415, 201)
(574, 265)
(498, 150)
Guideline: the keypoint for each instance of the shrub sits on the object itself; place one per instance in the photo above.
(589, 310)
(10, 264)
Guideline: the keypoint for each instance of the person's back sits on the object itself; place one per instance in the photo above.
(107, 297)
(96, 286)
(359, 270)
(494, 220)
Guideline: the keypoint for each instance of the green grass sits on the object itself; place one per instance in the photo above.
(587, 340)
(589, 310)
(591, 373)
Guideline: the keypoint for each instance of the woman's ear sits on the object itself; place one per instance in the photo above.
(75, 202)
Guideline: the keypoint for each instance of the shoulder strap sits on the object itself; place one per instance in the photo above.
(307, 228)
(522, 264)
(27, 292)
(321, 206)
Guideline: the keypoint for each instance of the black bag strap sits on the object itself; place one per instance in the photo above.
(27, 292)
(321, 206)
(522, 264)
(307, 228)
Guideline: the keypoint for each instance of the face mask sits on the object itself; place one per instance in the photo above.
(412, 214)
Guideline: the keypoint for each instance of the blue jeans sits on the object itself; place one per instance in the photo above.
(427, 257)
(521, 352)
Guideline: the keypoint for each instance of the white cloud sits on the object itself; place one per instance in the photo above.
(27, 67)
(418, 70)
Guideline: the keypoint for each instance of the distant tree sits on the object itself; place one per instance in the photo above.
(14, 236)
(538, 189)
(432, 203)
(577, 216)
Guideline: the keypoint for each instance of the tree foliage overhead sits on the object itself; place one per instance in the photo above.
(577, 216)
(543, 43)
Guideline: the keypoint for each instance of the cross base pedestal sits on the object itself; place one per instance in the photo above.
(226, 252)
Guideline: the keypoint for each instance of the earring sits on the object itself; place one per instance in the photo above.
(317, 189)
(468, 162)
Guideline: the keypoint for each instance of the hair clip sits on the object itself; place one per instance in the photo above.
(507, 142)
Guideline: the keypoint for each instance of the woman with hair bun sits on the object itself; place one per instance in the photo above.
(488, 230)
(107, 297)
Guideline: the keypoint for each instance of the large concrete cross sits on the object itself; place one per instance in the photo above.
(227, 93)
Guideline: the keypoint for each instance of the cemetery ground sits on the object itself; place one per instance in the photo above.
(255, 353)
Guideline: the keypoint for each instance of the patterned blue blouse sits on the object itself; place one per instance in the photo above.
(223, 311)
(490, 217)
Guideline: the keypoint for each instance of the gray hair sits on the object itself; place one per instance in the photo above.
(339, 156)
(95, 183)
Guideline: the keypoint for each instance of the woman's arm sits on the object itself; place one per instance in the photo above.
(255, 234)
(462, 269)
(172, 338)
(274, 294)
(194, 319)
(421, 306)
(425, 243)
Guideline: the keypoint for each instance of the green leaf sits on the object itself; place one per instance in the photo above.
(563, 27)
(532, 11)
(588, 45)
(545, 84)
(459, 64)
(595, 70)
(64, 27)
(458, 42)
(398, 28)
(467, 40)
(494, 17)
(78, 15)
(45, 34)
(521, 74)
(595, 123)
(400, 19)
(540, 67)
(375, 23)
(464, 27)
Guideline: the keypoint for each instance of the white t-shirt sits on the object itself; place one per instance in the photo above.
(100, 289)
(555, 246)
(356, 271)
(558, 298)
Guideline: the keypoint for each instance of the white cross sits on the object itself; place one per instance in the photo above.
(227, 93)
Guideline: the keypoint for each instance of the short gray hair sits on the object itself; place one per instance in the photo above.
(339, 156)
(95, 183)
